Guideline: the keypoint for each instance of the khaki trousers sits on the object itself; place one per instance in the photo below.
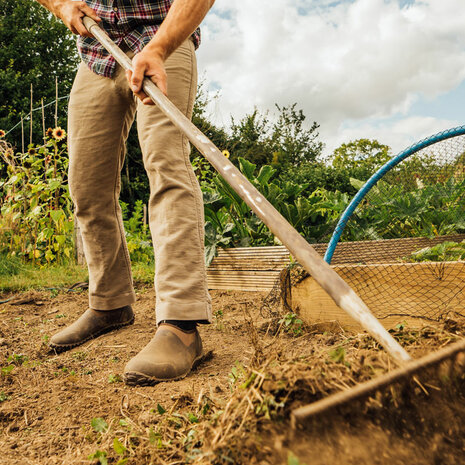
(101, 112)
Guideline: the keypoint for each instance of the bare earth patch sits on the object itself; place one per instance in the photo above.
(72, 408)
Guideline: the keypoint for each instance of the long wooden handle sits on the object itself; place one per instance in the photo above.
(328, 279)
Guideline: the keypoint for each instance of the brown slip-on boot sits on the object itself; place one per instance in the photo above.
(164, 358)
(90, 324)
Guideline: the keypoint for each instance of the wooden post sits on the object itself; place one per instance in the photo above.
(30, 121)
(43, 118)
(78, 245)
(22, 134)
(56, 102)
(145, 215)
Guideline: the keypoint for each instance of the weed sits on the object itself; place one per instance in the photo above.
(17, 359)
(155, 437)
(219, 324)
(7, 370)
(292, 324)
(237, 372)
(293, 460)
(114, 379)
(99, 425)
(192, 418)
(338, 355)
(3, 396)
(118, 447)
(99, 455)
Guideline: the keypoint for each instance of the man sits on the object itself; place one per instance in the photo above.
(161, 36)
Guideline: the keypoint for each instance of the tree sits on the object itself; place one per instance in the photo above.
(250, 138)
(283, 143)
(293, 143)
(361, 158)
(35, 48)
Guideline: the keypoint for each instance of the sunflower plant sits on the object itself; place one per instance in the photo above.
(36, 221)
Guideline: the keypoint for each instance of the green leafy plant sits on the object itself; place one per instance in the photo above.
(36, 221)
(99, 425)
(137, 233)
(160, 409)
(114, 379)
(17, 359)
(100, 456)
(7, 369)
(445, 252)
(397, 207)
(292, 324)
(230, 222)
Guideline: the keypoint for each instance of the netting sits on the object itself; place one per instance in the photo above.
(401, 242)
(402, 248)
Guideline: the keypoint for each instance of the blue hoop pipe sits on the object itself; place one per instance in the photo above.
(458, 131)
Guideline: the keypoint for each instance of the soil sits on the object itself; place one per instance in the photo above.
(234, 408)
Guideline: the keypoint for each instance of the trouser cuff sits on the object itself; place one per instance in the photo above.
(201, 312)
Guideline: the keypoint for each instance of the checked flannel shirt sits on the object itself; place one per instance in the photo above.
(133, 22)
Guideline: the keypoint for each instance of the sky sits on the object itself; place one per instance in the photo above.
(391, 70)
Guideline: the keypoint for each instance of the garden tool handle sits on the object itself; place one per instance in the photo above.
(300, 249)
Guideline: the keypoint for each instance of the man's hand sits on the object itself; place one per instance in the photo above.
(71, 13)
(151, 64)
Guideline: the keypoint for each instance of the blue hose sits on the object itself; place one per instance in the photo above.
(458, 131)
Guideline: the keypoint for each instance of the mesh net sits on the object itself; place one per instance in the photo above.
(403, 248)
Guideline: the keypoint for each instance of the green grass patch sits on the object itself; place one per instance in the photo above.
(30, 277)
(9, 266)
(17, 276)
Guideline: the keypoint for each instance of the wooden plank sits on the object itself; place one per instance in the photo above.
(241, 288)
(248, 261)
(394, 293)
(247, 268)
(238, 272)
(384, 250)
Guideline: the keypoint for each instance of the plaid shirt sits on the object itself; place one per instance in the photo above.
(133, 22)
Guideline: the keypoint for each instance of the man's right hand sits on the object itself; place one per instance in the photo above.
(71, 13)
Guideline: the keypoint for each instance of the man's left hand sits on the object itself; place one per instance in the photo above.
(151, 64)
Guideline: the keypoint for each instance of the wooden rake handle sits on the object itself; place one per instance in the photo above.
(328, 279)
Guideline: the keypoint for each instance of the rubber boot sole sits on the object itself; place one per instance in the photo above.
(64, 347)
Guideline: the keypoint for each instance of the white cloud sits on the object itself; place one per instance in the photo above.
(360, 61)
(398, 134)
